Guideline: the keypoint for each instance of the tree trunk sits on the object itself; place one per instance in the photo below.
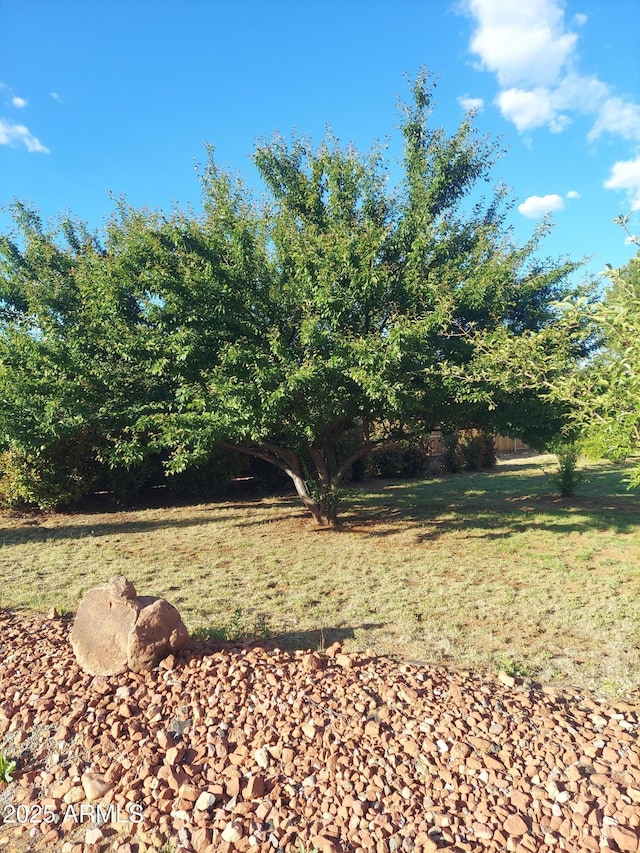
(324, 517)
(323, 509)
(322, 502)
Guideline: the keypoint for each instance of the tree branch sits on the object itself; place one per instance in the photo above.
(258, 454)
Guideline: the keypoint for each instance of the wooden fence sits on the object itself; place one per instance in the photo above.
(503, 444)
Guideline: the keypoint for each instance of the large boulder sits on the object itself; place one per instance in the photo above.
(115, 629)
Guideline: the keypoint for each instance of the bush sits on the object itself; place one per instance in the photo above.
(386, 461)
(468, 450)
(399, 460)
(125, 484)
(567, 478)
(453, 458)
(358, 470)
(472, 447)
(60, 474)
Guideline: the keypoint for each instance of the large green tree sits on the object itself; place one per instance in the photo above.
(304, 329)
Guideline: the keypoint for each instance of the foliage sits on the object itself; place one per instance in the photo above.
(609, 389)
(6, 769)
(468, 450)
(402, 459)
(59, 473)
(211, 478)
(239, 627)
(204, 634)
(125, 483)
(77, 358)
(514, 668)
(567, 478)
(336, 316)
(301, 848)
(602, 391)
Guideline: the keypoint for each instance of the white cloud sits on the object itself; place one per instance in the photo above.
(534, 57)
(56, 97)
(530, 109)
(573, 194)
(550, 106)
(17, 134)
(468, 103)
(521, 42)
(536, 206)
(581, 92)
(14, 100)
(625, 175)
(617, 116)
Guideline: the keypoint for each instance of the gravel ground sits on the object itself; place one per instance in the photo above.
(247, 748)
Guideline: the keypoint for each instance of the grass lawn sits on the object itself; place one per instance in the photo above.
(479, 571)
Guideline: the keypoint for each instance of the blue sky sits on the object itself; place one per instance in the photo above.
(120, 97)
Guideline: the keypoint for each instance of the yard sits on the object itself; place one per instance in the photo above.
(478, 571)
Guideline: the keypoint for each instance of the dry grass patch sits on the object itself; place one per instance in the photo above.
(476, 570)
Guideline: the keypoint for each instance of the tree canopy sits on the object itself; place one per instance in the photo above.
(303, 328)
(605, 390)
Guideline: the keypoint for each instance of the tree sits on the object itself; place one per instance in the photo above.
(77, 359)
(337, 315)
(606, 391)
(355, 312)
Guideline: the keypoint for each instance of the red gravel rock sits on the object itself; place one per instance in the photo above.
(515, 825)
(628, 840)
(341, 752)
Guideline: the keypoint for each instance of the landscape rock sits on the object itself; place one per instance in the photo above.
(326, 844)
(232, 832)
(115, 630)
(205, 801)
(95, 786)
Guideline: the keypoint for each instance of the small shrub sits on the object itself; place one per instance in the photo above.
(514, 668)
(358, 470)
(489, 459)
(472, 447)
(386, 461)
(125, 484)
(211, 479)
(204, 634)
(239, 627)
(567, 478)
(452, 455)
(417, 460)
(302, 849)
(6, 769)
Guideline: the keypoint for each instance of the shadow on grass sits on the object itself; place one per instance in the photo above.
(495, 505)
(32, 527)
(513, 498)
(40, 534)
